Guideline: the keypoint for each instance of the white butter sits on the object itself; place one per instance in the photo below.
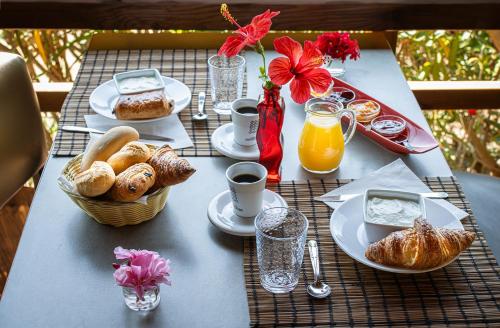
(392, 211)
(138, 84)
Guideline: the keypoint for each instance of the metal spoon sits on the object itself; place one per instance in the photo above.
(201, 116)
(317, 289)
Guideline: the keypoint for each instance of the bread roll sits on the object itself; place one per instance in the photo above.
(132, 153)
(132, 183)
(170, 169)
(95, 181)
(143, 105)
(108, 144)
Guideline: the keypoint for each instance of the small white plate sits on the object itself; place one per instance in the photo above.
(220, 213)
(348, 230)
(104, 97)
(223, 140)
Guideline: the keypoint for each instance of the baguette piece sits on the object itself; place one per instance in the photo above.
(170, 169)
(421, 247)
(114, 139)
(95, 181)
(139, 106)
(132, 183)
(132, 153)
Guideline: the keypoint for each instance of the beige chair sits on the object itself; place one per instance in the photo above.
(22, 144)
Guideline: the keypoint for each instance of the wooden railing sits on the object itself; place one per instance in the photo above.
(375, 15)
(430, 94)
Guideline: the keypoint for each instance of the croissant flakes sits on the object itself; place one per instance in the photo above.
(421, 247)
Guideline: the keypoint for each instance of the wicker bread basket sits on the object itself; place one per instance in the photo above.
(111, 212)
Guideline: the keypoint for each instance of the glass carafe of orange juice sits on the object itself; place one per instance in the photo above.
(321, 145)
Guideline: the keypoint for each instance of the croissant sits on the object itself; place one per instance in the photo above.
(170, 169)
(420, 247)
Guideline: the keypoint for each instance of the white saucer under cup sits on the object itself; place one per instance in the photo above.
(220, 213)
(223, 141)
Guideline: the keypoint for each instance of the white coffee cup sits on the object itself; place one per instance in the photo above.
(244, 125)
(247, 181)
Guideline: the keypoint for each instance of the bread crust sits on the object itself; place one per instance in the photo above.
(132, 183)
(421, 247)
(132, 153)
(96, 180)
(170, 168)
(143, 105)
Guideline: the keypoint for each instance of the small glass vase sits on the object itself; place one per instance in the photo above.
(149, 301)
(334, 66)
(271, 108)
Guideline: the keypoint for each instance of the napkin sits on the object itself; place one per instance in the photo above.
(170, 127)
(394, 176)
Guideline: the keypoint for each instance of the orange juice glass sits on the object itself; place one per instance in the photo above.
(321, 144)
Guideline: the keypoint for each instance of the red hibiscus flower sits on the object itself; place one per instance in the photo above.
(302, 67)
(247, 35)
(337, 45)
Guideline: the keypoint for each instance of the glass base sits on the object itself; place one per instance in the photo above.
(150, 301)
(320, 172)
(278, 283)
(336, 71)
(223, 108)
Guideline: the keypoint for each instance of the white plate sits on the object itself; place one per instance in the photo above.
(223, 140)
(220, 213)
(104, 97)
(348, 230)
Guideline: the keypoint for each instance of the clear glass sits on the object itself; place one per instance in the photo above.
(226, 81)
(334, 66)
(281, 235)
(322, 142)
(149, 302)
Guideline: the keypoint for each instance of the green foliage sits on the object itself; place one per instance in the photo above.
(469, 139)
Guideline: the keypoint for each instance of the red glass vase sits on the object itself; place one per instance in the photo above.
(271, 108)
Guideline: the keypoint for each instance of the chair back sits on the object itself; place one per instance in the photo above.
(23, 150)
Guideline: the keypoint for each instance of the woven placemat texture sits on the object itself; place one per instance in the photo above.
(465, 292)
(186, 65)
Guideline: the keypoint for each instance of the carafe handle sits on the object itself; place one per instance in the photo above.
(352, 124)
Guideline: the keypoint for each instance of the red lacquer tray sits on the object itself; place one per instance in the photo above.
(419, 140)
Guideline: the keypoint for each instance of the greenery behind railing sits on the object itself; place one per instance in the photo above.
(469, 138)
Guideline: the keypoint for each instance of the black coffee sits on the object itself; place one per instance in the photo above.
(246, 178)
(247, 110)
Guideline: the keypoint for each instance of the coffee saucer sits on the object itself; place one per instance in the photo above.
(223, 140)
(220, 213)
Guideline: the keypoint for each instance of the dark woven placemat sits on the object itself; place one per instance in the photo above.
(186, 65)
(466, 292)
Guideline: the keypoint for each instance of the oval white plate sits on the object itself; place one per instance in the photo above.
(220, 213)
(104, 97)
(223, 140)
(348, 230)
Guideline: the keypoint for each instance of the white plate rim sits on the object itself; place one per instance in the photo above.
(223, 151)
(175, 111)
(229, 231)
(375, 265)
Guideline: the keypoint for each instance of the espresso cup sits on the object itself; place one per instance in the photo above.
(245, 121)
(247, 181)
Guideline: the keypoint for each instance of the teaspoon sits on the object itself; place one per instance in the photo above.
(317, 289)
(201, 116)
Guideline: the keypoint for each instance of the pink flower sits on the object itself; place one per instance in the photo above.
(302, 67)
(141, 270)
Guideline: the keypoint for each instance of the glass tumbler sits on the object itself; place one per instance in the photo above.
(281, 235)
(226, 81)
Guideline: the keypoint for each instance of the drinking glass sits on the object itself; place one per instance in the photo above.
(226, 80)
(281, 235)
(321, 144)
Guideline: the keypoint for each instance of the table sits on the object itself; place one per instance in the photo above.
(62, 274)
